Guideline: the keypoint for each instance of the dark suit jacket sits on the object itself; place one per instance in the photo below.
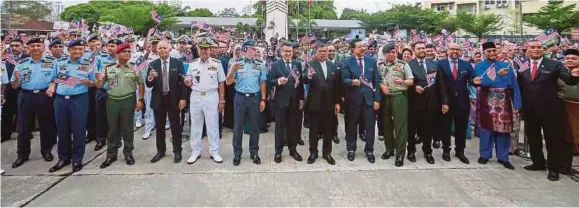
(176, 83)
(457, 90)
(11, 93)
(323, 93)
(287, 92)
(356, 95)
(432, 97)
(540, 95)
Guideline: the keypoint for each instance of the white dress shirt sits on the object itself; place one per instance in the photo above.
(324, 69)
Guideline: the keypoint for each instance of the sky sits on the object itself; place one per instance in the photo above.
(217, 5)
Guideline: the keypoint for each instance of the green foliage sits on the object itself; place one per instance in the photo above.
(300, 8)
(200, 12)
(479, 24)
(352, 14)
(32, 9)
(134, 14)
(410, 17)
(554, 15)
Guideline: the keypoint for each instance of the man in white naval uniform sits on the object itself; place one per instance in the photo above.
(205, 76)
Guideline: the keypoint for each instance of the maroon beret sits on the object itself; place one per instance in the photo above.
(123, 46)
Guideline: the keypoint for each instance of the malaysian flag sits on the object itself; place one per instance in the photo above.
(155, 16)
(161, 36)
(308, 38)
(491, 72)
(12, 33)
(84, 25)
(93, 61)
(547, 35)
(430, 79)
(75, 23)
(67, 79)
(467, 46)
(296, 76)
(367, 82)
(9, 56)
(141, 63)
(311, 70)
(198, 24)
(248, 52)
(523, 65)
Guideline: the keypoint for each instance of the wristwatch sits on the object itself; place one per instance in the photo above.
(142, 100)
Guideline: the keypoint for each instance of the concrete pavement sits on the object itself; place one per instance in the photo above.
(290, 183)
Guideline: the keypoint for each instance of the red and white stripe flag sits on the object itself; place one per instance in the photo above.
(523, 65)
(67, 79)
(367, 82)
(296, 76)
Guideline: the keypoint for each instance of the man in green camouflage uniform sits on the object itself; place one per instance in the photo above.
(122, 79)
(395, 76)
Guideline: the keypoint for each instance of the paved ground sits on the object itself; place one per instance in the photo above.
(290, 183)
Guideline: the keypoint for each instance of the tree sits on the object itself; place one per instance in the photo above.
(228, 12)
(554, 15)
(86, 11)
(479, 24)
(200, 12)
(351, 14)
(32, 9)
(409, 17)
(512, 21)
(300, 8)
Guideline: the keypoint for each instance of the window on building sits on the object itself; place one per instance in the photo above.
(489, 2)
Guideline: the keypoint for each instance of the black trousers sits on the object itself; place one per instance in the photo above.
(421, 122)
(92, 117)
(9, 112)
(102, 127)
(552, 126)
(286, 125)
(321, 122)
(160, 115)
(460, 118)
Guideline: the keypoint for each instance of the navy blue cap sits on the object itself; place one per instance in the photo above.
(54, 42)
(35, 40)
(115, 41)
(92, 37)
(77, 42)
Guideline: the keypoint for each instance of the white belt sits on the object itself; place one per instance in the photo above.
(203, 93)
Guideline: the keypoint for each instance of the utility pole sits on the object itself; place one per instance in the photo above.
(9, 14)
(521, 20)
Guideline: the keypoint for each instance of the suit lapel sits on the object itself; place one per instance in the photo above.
(540, 69)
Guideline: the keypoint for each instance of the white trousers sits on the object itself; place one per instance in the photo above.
(204, 108)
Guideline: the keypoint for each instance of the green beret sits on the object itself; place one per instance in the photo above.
(388, 47)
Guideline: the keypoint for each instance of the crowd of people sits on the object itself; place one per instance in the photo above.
(97, 88)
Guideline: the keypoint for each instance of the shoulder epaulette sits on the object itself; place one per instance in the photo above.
(216, 60)
(111, 64)
(62, 59)
(49, 58)
(194, 60)
(24, 60)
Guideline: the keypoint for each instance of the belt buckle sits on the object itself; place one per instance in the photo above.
(246, 94)
(35, 91)
(203, 93)
(165, 93)
(67, 97)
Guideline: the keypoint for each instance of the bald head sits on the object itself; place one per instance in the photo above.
(453, 51)
(163, 49)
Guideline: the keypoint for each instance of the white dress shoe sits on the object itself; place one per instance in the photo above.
(193, 159)
(167, 126)
(138, 124)
(217, 158)
(146, 135)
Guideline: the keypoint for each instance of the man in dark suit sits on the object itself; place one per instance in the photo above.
(455, 81)
(286, 76)
(322, 103)
(544, 110)
(425, 98)
(360, 74)
(167, 98)
(10, 107)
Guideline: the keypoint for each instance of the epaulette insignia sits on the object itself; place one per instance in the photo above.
(194, 60)
(24, 60)
(216, 60)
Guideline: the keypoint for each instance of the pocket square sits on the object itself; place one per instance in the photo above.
(174, 69)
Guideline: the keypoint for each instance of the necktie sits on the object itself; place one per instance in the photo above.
(287, 65)
(421, 63)
(360, 65)
(534, 70)
(454, 70)
(165, 77)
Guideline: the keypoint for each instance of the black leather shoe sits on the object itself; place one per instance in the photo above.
(446, 156)
(336, 140)
(256, 159)
(351, 156)
(99, 146)
(507, 165)
(411, 156)
(553, 176)
(296, 155)
(89, 139)
(436, 144)
(363, 137)
(301, 141)
(48, 157)
(236, 161)
(157, 157)
(329, 159)
(108, 162)
(387, 155)
(61, 164)
(177, 157)
(130, 160)
(76, 167)
(380, 138)
(429, 158)
(277, 158)
(19, 161)
(399, 161)
(462, 158)
(312, 158)
(371, 157)
(534, 167)
(482, 160)
(418, 140)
